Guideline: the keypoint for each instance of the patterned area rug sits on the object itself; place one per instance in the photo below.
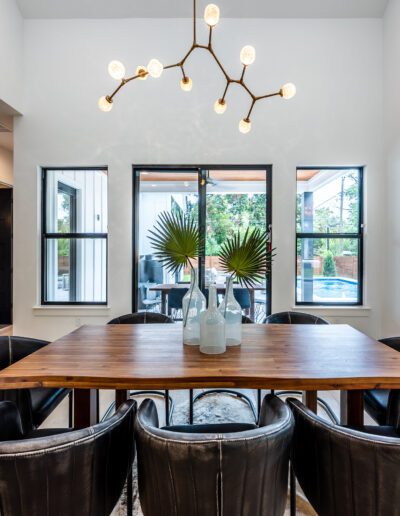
(215, 408)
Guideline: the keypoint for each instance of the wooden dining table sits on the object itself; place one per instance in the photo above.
(151, 356)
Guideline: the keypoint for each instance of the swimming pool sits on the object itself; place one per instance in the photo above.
(335, 290)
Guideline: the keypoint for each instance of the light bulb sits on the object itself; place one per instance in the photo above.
(245, 125)
(142, 72)
(211, 15)
(247, 55)
(155, 68)
(104, 104)
(288, 91)
(220, 106)
(186, 83)
(117, 70)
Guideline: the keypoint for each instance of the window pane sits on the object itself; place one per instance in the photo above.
(327, 270)
(327, 201)
(76, 201)
(76, 270)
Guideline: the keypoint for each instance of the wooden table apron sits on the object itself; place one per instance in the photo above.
(152, 356)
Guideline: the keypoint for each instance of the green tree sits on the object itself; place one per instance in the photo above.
(329, 266)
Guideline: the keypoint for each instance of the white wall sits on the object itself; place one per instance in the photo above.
(391, 318)
(11, 54)
(336, 119)
(6, 166)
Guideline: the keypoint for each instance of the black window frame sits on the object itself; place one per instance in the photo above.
(45, 236)
(202, 171)
(359, 235)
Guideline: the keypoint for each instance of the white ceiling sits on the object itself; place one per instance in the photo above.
(183, 8)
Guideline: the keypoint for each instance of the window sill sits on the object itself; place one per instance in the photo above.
(71, 311)
(336, 311)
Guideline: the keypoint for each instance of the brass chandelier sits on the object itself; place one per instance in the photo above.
(154, 68)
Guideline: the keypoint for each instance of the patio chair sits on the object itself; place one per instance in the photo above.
(233, 469)
(34, 405)
(62, 471)
(145, 318)
(175, 297)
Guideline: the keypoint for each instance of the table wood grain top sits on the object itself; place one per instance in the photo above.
(152, 356)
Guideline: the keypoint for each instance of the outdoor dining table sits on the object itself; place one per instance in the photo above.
(165, 289)
(151, 356)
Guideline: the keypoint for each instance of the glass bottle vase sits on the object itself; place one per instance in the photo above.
(193, 304)
(231, 310)
(212, 326)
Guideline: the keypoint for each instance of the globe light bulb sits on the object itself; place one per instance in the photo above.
(186, 83)
(288, 91)
(142, 72)
(220, 106)
(247, 55)
(155, 68)
(211, 15)
(117, 70)
(245, 125)
(105, 104)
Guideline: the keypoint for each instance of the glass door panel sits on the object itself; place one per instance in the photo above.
(158, 191)
(235, 200)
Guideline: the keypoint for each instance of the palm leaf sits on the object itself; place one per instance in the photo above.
(175, 239)
(247, 259)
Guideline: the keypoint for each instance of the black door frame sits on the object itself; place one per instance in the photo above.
(201, 170)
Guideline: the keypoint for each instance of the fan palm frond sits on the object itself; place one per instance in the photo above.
(247, 259)
(175, 239)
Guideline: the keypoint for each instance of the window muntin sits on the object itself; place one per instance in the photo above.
(74, 240)
(329, 247)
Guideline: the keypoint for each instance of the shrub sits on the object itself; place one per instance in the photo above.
(329, 266)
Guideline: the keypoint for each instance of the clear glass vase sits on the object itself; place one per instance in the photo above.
(231, 310)
(193, 304)
(212, 326)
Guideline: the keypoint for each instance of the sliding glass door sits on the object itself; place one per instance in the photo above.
(223, 200)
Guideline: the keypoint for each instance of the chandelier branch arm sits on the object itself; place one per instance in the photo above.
(210, 37)
(270, 95)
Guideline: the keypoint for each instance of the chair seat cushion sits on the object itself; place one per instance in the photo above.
(376, 404)
(222, 428)
(44, 401)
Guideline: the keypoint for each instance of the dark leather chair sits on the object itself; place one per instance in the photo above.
(376, 401)
(64, 472)
(231, 392)
(146, 318)
(242, 296)
(343, 471)
(294, 318)
(300, 318)
(34, 405)
(214, 470)
(142, 318)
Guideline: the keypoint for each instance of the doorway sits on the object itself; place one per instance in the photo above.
(222, 199)
(5, 255)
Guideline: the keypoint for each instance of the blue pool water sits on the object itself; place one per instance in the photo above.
(331, 289)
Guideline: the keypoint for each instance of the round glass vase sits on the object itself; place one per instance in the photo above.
(212, 326)
(193, 304)
(231, 310)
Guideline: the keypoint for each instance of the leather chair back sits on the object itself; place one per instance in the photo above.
(80, 472)
(294, 318)
(243, 473)
(142, 318)
(345, 472)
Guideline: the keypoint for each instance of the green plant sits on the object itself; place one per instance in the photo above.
(176, 240)
(247, 258)
(328, 265)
